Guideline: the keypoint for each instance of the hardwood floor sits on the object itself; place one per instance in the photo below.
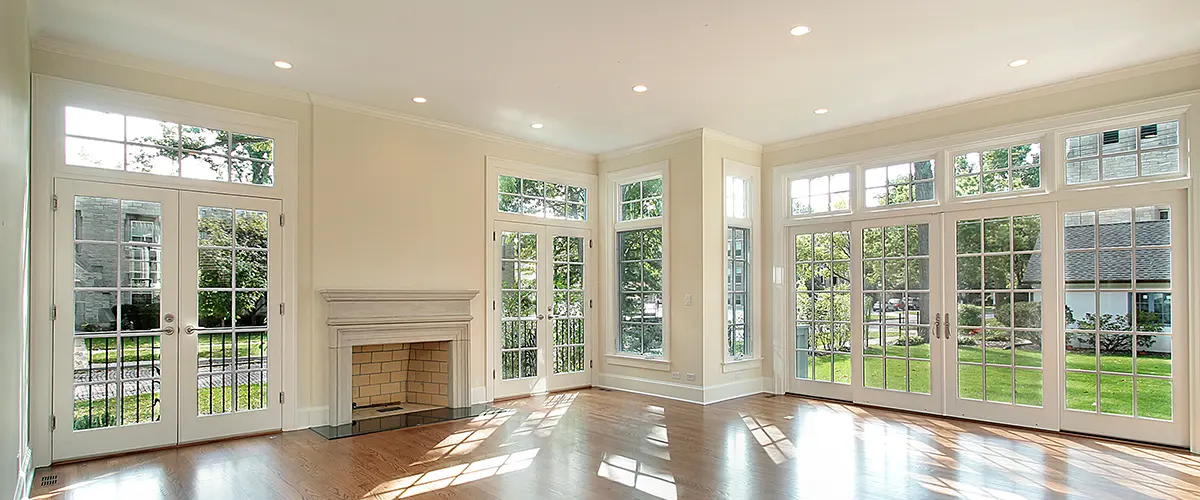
(601, 444)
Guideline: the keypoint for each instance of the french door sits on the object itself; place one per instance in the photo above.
(542, 314)
(1002, 348)
(139, 274)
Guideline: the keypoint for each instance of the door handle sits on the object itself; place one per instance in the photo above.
(190, 329)
(937, 325)
(947, 326)
(541, 316)
(169, 330)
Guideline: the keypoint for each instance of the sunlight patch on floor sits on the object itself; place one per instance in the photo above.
(772, 440)
(541, 422)
(465, 441)
(640, 476)
(453, 475)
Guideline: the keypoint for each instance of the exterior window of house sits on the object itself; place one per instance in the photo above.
(823, 306)
(112, 141)
(1001, 170)
(739, 196)
(1126, 153)
(542, 199)
(899, 184)
(821, 194)
(639, 259)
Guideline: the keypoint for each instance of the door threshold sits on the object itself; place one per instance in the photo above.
(543, 393)
(163, 448)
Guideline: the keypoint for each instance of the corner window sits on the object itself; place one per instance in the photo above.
(1126, 153)
(111, 141)
(899, 184)
(821, 194)
(1001, 170)
(541, 199)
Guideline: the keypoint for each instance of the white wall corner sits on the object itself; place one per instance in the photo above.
(733, 390)
(479, 395)
(312, 416)
(738, 142)
(649, 387)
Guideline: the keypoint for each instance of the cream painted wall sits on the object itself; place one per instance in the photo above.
(14, 248)
(715, 153)
(1077, 96)
(685, 205)
(401, 206)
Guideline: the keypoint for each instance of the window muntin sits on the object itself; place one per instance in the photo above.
(821, 194)
(112, 141)
(1126, 153)
(543, 199)
(899, 184)
(640, 292)
(737, 198)
(737, 295)
(641, 199)
(1117, 280)
(823, 307)
(1000, 170)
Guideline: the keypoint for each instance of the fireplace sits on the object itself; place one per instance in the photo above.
(396, 351)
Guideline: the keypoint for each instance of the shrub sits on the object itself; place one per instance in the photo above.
(1021, 314)
(969, 315)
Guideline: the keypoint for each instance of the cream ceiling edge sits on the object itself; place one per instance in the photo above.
(134, 62)
(691, 134)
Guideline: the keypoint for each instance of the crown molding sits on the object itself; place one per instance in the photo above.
(989, 102)
(737, 142)
(430, 123)
(72, 49)
(646, 146)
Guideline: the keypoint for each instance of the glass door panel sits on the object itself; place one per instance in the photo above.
(897, 313)
(568, 318)
(997, 367)
(822, 302)
(230, 374)
(114, 348)
(1125, 352)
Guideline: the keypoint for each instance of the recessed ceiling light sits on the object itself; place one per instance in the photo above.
(820, 111)
(420, 100)
(1018, 63)
(537, 125)
(801, 31)
(640, 88)
(283, 65)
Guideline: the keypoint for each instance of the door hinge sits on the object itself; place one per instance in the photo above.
(590, 304)
(280, 397)
(493, 305)
(589, 243)
(493, 236)
(281, 308)
(590, 364)
(281, 220)
(53, 422)
(54, 203)
(53, 313)
(493, 374)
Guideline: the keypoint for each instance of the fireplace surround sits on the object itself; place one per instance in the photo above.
(382, 317)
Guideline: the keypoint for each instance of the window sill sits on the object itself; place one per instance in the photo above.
(659, 364)
(730, 366)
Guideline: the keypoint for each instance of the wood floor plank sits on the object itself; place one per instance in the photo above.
(603, 444)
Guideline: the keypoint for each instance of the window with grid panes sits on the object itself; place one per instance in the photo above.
(543, 199)
(899, 184)
(1124, 153)
(1000, 170)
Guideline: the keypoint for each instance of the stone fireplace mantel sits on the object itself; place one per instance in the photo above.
(368, 317)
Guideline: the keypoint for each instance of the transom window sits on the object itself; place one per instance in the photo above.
(112, 141)
(547, 200)
(1126, 153)
(642, 199)
(899, 184)
(821, 194)
(737, 203)
(1001, 170)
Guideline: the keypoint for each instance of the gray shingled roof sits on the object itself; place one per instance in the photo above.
(1154, 264)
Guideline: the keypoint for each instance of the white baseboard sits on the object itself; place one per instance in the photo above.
(479, 395)
(24, 476)
(682, 392)
(649, 387)
(313, 416)
(734, 390)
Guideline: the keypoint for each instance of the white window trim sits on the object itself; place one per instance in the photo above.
(753, 222)
(1046, 170)
(500, 166)
(612, 224)
(860, 187)
(810, 174)
(1061, 136)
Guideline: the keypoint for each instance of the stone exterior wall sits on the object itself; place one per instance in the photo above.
(401, 373)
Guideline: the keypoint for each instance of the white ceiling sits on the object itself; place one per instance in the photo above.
(729, 65)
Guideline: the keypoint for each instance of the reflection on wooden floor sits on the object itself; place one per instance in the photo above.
(601, 444)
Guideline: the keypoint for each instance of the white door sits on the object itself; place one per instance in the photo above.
(115, 340)
(542, 313)
(1001, 344)
(166, 318)
(896, 301)
(1125, 360)
(230, 315)
(821, 282)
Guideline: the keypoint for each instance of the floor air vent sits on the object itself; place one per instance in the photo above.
(49, 480)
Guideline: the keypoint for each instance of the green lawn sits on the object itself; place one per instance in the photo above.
(1116, 390)
(142, 408)
(104, 350)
